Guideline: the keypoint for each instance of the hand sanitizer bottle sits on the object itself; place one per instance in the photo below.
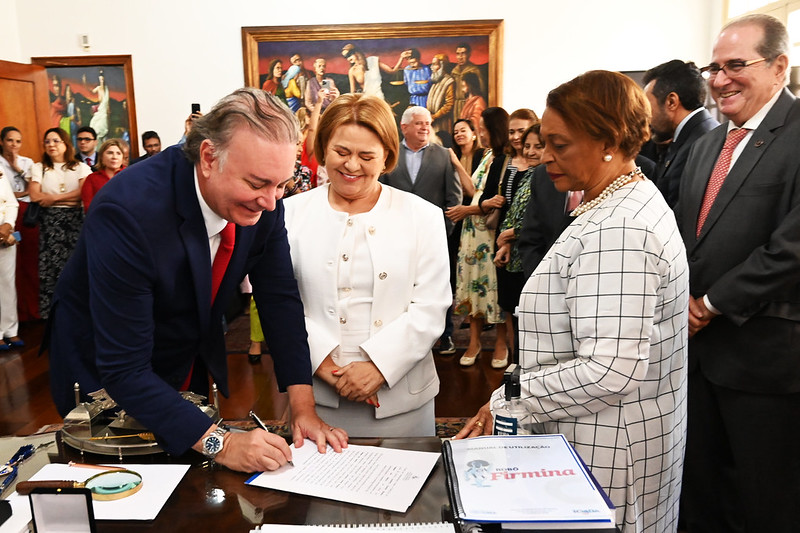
(512, 415)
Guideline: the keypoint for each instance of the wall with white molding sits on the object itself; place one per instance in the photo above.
(191, 50)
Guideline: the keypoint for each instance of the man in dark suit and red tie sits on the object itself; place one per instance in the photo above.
(739, 215)
(138, 308)
(87, 144)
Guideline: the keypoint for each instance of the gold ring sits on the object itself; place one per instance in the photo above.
(479, 424)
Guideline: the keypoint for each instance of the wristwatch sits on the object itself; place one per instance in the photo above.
(213, 442)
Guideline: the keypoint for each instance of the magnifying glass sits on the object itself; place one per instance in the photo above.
(105, 486)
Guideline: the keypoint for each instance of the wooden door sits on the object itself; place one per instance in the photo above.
(25, 103)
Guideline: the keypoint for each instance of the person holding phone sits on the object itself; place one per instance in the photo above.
(189, 122)
(9, 323)
(319, 82)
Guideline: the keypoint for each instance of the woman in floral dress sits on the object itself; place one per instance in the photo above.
(476, 280)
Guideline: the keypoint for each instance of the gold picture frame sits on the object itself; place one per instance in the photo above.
(88, 94)
(262, 46)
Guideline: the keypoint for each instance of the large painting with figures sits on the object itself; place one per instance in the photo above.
(94, 91)
(452, 68)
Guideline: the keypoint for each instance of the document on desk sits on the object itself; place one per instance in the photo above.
(429, 527)
(158, 483)
(385, 478)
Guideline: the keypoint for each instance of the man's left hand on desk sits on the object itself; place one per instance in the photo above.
(311, 426)
(306, 424)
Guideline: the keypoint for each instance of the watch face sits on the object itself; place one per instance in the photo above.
(212, 444)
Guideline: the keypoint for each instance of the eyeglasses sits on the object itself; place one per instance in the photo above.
(52, 141)
(85, 139)
(730, 68)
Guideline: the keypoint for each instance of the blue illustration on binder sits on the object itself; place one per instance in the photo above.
(477, 472)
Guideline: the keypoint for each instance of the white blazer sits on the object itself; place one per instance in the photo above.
(9, 205)
(408, 246)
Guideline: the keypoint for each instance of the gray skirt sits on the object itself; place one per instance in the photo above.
(358, 419)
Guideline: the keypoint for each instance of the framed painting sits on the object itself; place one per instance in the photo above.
(95, 91)
(454, 68)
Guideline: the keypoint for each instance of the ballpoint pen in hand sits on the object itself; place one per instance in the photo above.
(263, 426)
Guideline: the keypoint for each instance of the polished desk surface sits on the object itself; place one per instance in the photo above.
(212, 498)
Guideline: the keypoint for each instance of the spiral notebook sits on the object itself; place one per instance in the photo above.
(426, 527)
(531, 482)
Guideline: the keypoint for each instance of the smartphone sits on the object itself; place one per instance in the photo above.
(195, 108)
(326, 84)
(17, 236)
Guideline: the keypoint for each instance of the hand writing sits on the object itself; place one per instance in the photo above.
(254, 451)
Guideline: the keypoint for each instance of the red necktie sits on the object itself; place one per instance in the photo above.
(719, 173)
(574, 199)
(218, 267)
(223, 257)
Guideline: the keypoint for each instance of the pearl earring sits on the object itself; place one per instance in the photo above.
(607, 158)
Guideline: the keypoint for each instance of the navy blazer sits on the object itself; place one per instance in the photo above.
(132, 308)
(668, 172)
(747, 256)
(544, 220)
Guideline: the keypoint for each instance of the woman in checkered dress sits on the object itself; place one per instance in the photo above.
(603, 318)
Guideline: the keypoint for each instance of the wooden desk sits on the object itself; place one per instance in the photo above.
(213, 498)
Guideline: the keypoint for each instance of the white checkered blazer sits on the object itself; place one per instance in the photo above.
(603, 335)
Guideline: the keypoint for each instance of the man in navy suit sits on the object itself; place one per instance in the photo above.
(739, 215)
(676, 91)
(133, 310)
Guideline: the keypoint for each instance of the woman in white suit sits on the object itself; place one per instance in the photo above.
(371, 262)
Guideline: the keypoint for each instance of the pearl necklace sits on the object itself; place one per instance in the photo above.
(607, 192)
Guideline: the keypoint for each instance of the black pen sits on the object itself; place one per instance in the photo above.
(261, 424)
